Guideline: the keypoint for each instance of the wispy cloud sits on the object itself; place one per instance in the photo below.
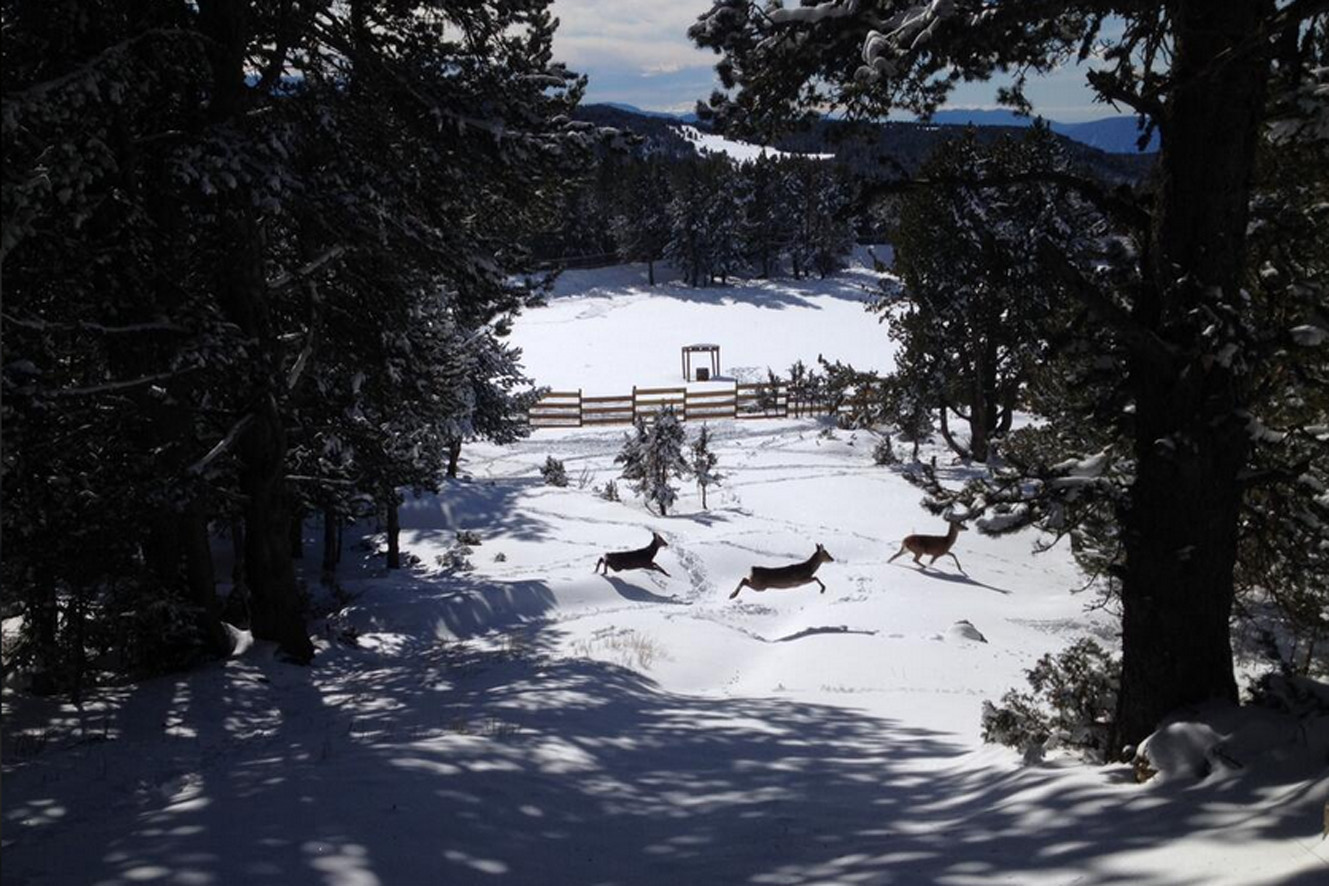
(638, 52)
(664, 68)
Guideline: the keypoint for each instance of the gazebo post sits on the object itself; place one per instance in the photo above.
(714, 362)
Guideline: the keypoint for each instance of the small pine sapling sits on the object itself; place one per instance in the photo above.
(702, 463)
(1072, 702)
(553, 472)
(884, 453)
(654, 457)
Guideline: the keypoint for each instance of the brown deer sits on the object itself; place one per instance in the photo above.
(642, 558)
(933, 545)
(762, 578)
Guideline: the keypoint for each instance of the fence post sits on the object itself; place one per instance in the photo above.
(634, 404)
(735, 399)
(580, 417)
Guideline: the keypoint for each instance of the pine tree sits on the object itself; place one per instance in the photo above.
(722, 222)
(702, 462)
(686, 248)
(833, 232)
(970, 317)
(653, 458)
(1173, 313)
(705, 217)
(642, 227)
(632, 454)
(766, 216)
(262, 332)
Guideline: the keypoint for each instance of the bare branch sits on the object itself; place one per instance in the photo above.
(1116, 204)
(1136, 335)
(222, 445)
(288, 277)
(45, 326)
(110, 386)
(39, 90)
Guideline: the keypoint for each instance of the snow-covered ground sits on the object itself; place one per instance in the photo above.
(530, 722)
(710, 143)
(606, 329)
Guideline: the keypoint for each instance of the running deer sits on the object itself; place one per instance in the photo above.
(765, 577)
(932, 545)
(642, 558)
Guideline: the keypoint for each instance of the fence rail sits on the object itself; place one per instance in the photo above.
(560, 409)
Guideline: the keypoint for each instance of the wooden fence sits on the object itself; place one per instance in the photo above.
(570, 409)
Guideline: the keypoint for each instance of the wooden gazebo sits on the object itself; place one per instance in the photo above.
(703, 373)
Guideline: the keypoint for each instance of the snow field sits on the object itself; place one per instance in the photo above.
(606, 329)
(529, 722)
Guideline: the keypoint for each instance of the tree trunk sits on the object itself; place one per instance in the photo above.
(330, 525)
(946, 435)
(178, 557)
(979, 403)
(238, 556)
(44, 614)
(297, 536)
(394, 534)
(201, 579)
(1007, 414)
(454, 458)
(650, 277)
(1180, 526)
(276, 608)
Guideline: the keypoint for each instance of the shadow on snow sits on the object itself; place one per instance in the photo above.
(440, 762)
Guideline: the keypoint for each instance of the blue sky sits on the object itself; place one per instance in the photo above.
(637, 52)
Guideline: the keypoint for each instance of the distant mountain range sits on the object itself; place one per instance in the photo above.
(890, 149)
(1113, 135)
(633, 109)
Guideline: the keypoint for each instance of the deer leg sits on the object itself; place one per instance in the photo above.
(918, 558)
(598, 564)
(658, 568)
(818, 581)
(897, 553)
(741, 585)
(957, 561)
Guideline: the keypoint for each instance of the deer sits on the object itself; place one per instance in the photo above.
(642, 558)
(763, 578)
(933, 545)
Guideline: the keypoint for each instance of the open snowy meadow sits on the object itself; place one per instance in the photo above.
(504, 715)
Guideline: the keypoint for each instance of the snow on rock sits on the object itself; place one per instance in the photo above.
(1223, 741)
(1309, 336)
(241, 641)
(964, 630)
(1179, 750)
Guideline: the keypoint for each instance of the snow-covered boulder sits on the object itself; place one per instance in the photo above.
(1222, 740)
(965, 630)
